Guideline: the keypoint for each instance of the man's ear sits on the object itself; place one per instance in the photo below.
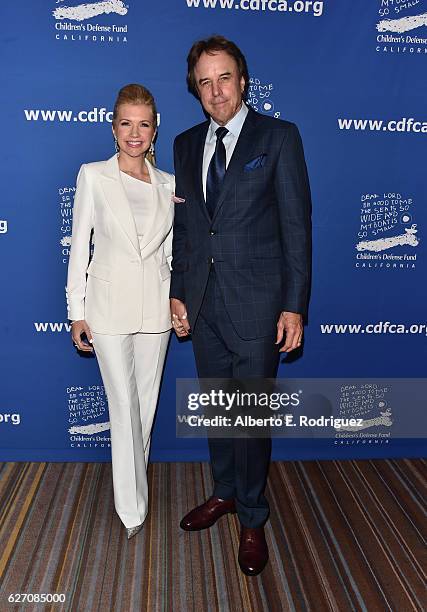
(242, 83)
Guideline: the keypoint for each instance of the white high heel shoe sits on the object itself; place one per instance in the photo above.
(131, 531)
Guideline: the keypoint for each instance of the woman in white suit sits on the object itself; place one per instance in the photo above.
(120, 300)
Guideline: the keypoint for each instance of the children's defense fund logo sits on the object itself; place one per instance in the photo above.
(88, 422)
(402, 27)
(260, 97)
(370, 405)
(93, 22)
(388, 235)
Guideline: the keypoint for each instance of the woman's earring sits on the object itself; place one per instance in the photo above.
(151, 150)
(116, 145)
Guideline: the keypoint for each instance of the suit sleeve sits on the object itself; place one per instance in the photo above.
(293, 194)
(179, 243)
(83, 222)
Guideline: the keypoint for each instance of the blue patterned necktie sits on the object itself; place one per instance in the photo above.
(216, 171)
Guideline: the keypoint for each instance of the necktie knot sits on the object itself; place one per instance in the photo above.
(221, 132)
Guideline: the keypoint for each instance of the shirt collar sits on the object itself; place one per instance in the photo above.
(234, 126)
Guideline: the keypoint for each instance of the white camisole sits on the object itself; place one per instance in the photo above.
(140, 198)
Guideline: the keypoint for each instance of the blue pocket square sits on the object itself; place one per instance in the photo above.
(257, 162)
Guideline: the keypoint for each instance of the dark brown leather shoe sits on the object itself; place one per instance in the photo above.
(253, 550)
(207, 514)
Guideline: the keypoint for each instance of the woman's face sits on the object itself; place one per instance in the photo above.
(134, 129)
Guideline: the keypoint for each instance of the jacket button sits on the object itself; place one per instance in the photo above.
(212, 233)
(210, 260)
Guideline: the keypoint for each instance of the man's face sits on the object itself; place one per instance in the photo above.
(219, 85)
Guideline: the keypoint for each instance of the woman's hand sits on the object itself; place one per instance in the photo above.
(77, 329)
(179, 318)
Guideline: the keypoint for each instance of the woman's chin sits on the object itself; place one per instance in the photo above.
(133, 152)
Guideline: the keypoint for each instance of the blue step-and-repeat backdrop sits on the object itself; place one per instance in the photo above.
(350, 74)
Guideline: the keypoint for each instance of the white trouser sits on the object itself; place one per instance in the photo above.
(131, 368)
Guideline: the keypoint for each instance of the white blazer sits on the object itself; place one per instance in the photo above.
(125, 287)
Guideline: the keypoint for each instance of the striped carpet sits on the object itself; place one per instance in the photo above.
(343, 535)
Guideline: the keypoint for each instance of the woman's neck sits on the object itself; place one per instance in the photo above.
(133, 166)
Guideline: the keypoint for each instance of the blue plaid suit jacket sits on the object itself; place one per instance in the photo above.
(259, 238)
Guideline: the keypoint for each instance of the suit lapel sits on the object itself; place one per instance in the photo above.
(117, 201)
(246, 142)
(119, 205)
(196, 164)
(162, 204)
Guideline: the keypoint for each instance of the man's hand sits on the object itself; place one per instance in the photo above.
(179, 318)
(77, 329)
(289, 323)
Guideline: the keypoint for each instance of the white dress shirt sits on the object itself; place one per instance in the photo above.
(234, 127)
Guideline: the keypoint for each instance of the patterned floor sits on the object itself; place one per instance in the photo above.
(343, 535)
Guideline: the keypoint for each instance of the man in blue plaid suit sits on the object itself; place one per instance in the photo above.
(241, 266)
